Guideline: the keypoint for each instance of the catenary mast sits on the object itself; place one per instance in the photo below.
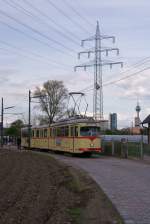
(98, 64)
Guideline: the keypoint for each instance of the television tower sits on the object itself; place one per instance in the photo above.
(137, 118)
(98, 64)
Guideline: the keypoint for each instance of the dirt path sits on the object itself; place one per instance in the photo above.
(36, 189)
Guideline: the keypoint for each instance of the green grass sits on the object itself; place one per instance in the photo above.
(75, 214)
(146, 149)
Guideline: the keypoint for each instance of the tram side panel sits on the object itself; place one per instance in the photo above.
(67, 143)
(60, 139)
(40, 138)
(52, 139)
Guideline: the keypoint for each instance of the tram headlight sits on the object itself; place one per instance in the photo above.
(91, 144)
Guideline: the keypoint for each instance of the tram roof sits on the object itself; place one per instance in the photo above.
(75, 121)
(72, 120)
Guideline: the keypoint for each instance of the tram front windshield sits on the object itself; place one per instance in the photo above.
(89, 131)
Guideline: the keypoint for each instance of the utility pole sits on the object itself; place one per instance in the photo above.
(29, 122)
(2, 115)
(29, 117)
(98, 64)
(2, 120)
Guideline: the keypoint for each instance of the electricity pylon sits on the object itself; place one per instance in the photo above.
(98, 64)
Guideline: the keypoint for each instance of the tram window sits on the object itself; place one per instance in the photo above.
(45, 133)
(66, 131)
(54, 132)
(41, 133)
(58, 132)
(89, 131)
(72, 131)
(62, 131)
(37, 133)
(76, 131)
(51, 132)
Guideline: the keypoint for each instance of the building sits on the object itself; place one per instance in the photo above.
(104, 125)
(135, 130)
(113, 121)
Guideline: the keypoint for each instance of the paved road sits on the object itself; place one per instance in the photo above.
(127, 184)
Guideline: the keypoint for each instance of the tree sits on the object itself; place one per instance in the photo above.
(42, 120)
(15, 128)
(52, 97)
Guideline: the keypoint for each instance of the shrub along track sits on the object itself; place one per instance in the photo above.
(36, 189)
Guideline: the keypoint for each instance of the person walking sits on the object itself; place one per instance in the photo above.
(19, 143)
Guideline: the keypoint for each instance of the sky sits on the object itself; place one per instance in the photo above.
(40, 41)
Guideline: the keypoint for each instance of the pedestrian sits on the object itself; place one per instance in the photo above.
(19, 143)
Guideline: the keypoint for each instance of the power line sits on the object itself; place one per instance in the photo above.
(137, 64)
(73, 35)
(83, 10)
(36, 18)
(77, 13)
(15, 5)
(29, 53)
(118, 80)
(86, 89)
(22, 32)
(17, 30)
(68, 17)
(126, 77)
(31, 37)
(36, 31)
(28, 56)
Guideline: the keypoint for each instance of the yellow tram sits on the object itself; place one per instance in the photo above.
(74, 135)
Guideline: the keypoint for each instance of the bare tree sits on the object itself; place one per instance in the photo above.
(52, 97)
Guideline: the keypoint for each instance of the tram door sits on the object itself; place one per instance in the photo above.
(74, 134)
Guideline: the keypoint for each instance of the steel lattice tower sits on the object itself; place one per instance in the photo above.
(98, 64)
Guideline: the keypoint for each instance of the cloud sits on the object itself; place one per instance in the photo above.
(124, 119)
(6, 74)
(135, 87)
